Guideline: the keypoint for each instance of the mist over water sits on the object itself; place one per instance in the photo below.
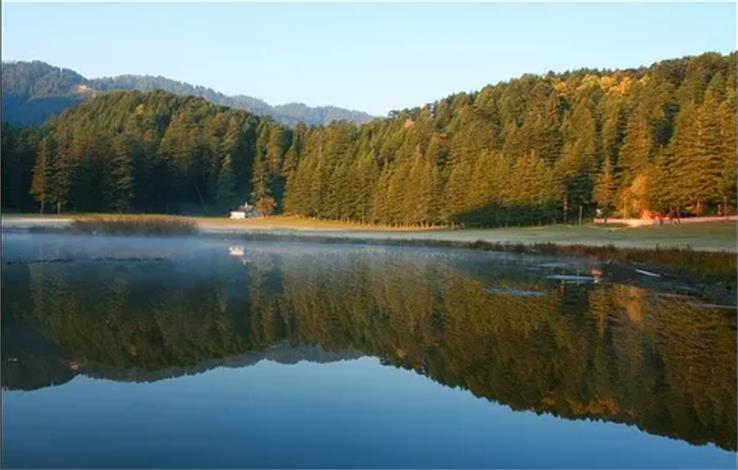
(125, 352)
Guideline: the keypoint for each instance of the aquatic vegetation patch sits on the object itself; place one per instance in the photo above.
(158, 225)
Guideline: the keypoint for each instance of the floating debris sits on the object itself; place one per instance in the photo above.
(647, 273)
(668, 294)
(725, 307)
(573, 278)
(515, 292)
(554, 265)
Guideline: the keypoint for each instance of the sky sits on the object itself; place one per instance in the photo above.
(370, 57)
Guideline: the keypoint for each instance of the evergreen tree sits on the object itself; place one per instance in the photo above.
(457, 197)
(578, 158)
(119, 190)
(635, 152)
(227, 185)
(363, 177)
(727, 118)
(698, 154)
(606, 187)
(42, 188)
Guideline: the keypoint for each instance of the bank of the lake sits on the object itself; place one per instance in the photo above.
(701, 256)
(712, 236)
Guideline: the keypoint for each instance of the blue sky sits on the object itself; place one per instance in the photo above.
(370, 57)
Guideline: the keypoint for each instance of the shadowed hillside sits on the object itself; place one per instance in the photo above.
(34, 91)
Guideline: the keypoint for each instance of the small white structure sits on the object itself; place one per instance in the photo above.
(246, 210)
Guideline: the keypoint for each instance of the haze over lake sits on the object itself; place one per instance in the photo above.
(127, 352)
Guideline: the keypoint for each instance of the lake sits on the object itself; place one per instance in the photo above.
(161, 353)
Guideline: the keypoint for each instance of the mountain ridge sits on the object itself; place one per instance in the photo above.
(33, 91)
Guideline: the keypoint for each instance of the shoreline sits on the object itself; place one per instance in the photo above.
(711, 268)
(710, 275)
(710, 271)
(707, 237)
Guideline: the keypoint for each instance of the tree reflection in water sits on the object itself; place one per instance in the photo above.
(607, 351)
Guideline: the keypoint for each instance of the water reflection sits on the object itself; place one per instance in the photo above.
(516, 330)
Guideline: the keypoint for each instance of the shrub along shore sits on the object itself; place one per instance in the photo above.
(157, 225)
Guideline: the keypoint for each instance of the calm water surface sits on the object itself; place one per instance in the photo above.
(204, 353)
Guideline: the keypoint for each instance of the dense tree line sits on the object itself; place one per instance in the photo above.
(537, 149)
(132, 151)
(603, 351)
(17, 157)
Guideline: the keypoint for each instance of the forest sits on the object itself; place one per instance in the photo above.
(533, 150)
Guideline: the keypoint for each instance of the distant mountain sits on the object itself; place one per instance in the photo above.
(34, 91)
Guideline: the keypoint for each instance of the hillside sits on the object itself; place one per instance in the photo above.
(34, 91)
(537, 149)
(533, 150)
(125, 151)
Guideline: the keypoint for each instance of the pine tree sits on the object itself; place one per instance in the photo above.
(698, 153)
(362, 179)
(541, 123)
(635, 152)
(606, 187)
(663, 193)
(684, 150)
(480, 187)
(226, 188)
(578, 157)
(120, 188)
(43, 174)
(8, 161)
(396, 211)
(279, 141)
(727, 117)
(335, 205)
(421, 189)
(380, 200)
(457, 197)
(709, 165)
(261, 180)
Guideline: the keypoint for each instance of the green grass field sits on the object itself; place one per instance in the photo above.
(706, 236)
